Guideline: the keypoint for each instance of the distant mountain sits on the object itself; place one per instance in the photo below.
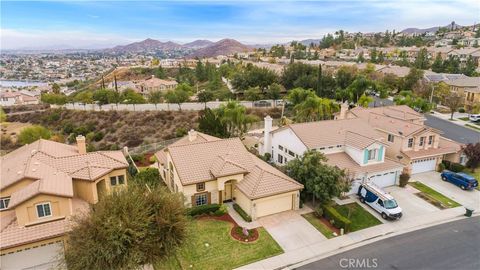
(147, 45)
(198, 44)
(222, 47)
(431, 29)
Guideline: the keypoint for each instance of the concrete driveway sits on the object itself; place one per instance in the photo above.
(433, 180)
(291, 230)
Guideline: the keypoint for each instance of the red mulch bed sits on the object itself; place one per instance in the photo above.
(145, 162)
(235, 233)
(329, 225)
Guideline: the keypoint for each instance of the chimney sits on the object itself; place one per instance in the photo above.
(267, 137)
(192, 135)
(343, 110)
(81, 145)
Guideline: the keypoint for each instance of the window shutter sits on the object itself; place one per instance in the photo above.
(380, 153)
(365, 156)
(209, 198)
(193, 200)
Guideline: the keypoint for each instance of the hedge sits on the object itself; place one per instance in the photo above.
(339, 221)
(452, 166)
(242, 213)
(203, 209)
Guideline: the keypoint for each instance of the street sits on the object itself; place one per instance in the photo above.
(453, 245)
(453, 131)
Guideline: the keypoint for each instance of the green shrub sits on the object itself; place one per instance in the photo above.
(137, 158)
(242, 213)
(203, 209)
(33, 133)
(404, 177)
(339, 221)
(149, 176)
(152, 159)
(456, 167)
(222, 210)
(441, 167)
(461, 110)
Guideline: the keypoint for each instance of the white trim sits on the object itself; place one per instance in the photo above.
(49, 208)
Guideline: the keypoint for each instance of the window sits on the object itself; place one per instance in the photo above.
(280, 148)
(339, 146)
(410, 143)
(291, 153)
(380, 202)
(430, 139)
(390, 137)
(280, 159)
(201, 199)
(372, 154)
(117, 180)
(43, 210)
(4, 203)
(422, 141)
(200, 186)
(322, 148)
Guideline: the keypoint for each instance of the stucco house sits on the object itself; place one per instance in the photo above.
(210, 170)
(370, 144)
(154, 84)
(469, 87)
(43, 184)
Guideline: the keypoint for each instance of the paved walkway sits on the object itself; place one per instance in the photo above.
(239, 220)
(316, 249)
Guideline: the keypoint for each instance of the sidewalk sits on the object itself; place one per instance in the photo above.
(342, 243)
(456, 116)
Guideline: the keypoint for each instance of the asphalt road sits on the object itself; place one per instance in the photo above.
(453, 245)
(453, 131)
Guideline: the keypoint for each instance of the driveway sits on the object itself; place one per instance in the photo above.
(453, 131)
(291, 230)
(433, 180)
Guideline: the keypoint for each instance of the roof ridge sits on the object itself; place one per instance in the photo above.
(103, 154)
(205, 142)
(257, 183)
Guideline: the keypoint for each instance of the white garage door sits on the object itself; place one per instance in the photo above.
(275, 205)
(423, 165)
(39, 258)
(384, 179)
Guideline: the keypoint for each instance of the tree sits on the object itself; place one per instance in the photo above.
(441, 90)
(3, 116)
(129, 96)
(470, 67)
(253, 94)
(85, 97)
(205, 96)
(422, 62)
(160, 73)
(358, 88)
(437, 65)
(453, 102)
(127, 229)
(149, 177)
(414, 102)
(274, 91)
(52, 98)
(345, 76)
(178, 96)
(298, 95)
(210, 122)
(55, 88)
(472, 151)
(365, 100)
(155, 97)
(315, 109)
(320, 180)
(102, 96)
(234, 117)
(413, 76)
(33, 133)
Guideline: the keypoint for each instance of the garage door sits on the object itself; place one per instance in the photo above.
(423, 165)
(39, 258)
(274, 205)
(384, 179)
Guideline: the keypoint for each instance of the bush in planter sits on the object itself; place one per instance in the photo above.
(441, 167)
(203, 209)
(242, 213)
(221, 211)
(404, 177)
(318, 211)
(339, 221)
(152, 159)
(456, 167)
(461, 110)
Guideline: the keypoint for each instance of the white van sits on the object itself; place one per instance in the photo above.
(380, 201)
(474, 117)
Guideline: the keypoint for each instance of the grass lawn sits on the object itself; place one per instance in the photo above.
(464, 118)
(360, 217)
(319, 225)
(222, 251)
(475, 173)
(473, 126)
(448, 203)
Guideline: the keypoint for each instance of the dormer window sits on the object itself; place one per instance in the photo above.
(390, 137)
(4, 203)
(422, 141)
(430, 139)
(44, 210)
(372, 154)
(410, 143)
(201, 186)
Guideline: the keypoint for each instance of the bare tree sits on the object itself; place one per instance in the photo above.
(453, 101)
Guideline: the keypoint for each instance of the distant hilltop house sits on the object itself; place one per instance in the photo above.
(375, 144)
(144, 87)
(210, 170)
(23, 97)
(43, 184)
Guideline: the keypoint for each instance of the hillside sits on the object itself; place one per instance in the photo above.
(146, 45)
(222, 47)
(198, 44)
(431, 29)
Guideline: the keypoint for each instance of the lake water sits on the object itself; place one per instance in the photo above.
(5, 83)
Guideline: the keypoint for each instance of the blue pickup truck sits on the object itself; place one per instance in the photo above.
(463, 180)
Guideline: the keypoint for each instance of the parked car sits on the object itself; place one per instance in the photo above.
(380, 201)
(462, 180)
(262, 103)
(474, 117)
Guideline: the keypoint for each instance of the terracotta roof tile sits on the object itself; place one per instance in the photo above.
(344, 161)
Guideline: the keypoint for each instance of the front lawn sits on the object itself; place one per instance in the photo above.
(475, 173)
(434, 195)
(210, 246)
(322, 228)
(359, 217)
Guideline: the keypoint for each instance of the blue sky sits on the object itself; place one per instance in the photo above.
(107, 23)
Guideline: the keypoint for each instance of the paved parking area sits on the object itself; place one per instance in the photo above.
(291, 230)
(433, 180)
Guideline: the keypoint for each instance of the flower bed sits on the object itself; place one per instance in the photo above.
(237, 233)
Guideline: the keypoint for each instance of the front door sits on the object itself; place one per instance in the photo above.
(228, 192)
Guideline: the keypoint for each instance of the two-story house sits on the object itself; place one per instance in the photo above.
(210, 170)
(43, 184)
(469, 88)
(409, 141)
(349, 144)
